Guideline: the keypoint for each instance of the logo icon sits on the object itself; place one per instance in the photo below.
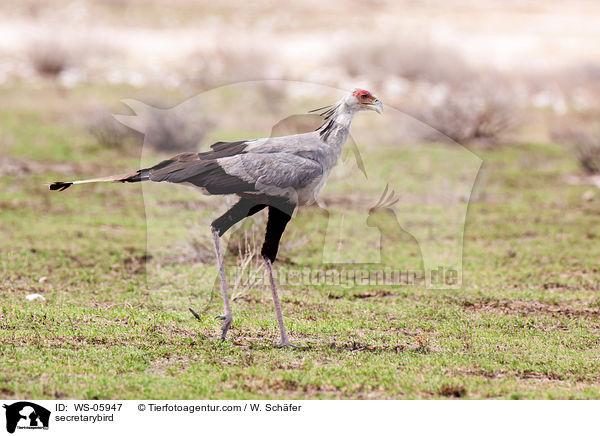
(26, 415)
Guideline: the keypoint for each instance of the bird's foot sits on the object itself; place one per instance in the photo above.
(286, 343)
(226, 324)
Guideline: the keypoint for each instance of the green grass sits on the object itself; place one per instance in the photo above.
(525, 324)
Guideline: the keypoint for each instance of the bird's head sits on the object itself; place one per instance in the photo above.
(363, 100)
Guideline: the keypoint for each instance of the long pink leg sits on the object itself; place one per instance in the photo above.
(285, 342)
(227, 317)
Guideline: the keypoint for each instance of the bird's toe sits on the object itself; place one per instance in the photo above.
(285, 344)
(225, 325)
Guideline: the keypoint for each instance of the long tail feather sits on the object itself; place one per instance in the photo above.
(139, 176)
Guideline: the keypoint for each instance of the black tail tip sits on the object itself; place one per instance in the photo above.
(60, 186)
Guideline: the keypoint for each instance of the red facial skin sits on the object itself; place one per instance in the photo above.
(363, 96)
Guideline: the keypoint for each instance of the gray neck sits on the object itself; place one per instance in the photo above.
(336, 125)
(335, 131)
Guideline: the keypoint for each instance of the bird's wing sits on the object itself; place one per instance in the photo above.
(272, 166)
(185, 160)
(224, 149)
(189, 168)
(289, 144)
(277, 174)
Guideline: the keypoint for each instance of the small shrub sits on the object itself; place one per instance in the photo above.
(585, 146)
(107, 131)
(181, 128)
(455, 391)
(175, 130)
(170, 130)
(49, 57)
(471, 115)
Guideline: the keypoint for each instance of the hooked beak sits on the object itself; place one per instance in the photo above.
(376, 106)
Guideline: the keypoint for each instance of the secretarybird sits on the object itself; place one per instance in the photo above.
(278, 173)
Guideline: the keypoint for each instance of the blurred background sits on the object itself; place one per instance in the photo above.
(481, 72)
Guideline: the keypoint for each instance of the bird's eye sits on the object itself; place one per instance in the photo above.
(363, 96)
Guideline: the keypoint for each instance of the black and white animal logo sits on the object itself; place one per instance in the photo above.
(26, 415)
